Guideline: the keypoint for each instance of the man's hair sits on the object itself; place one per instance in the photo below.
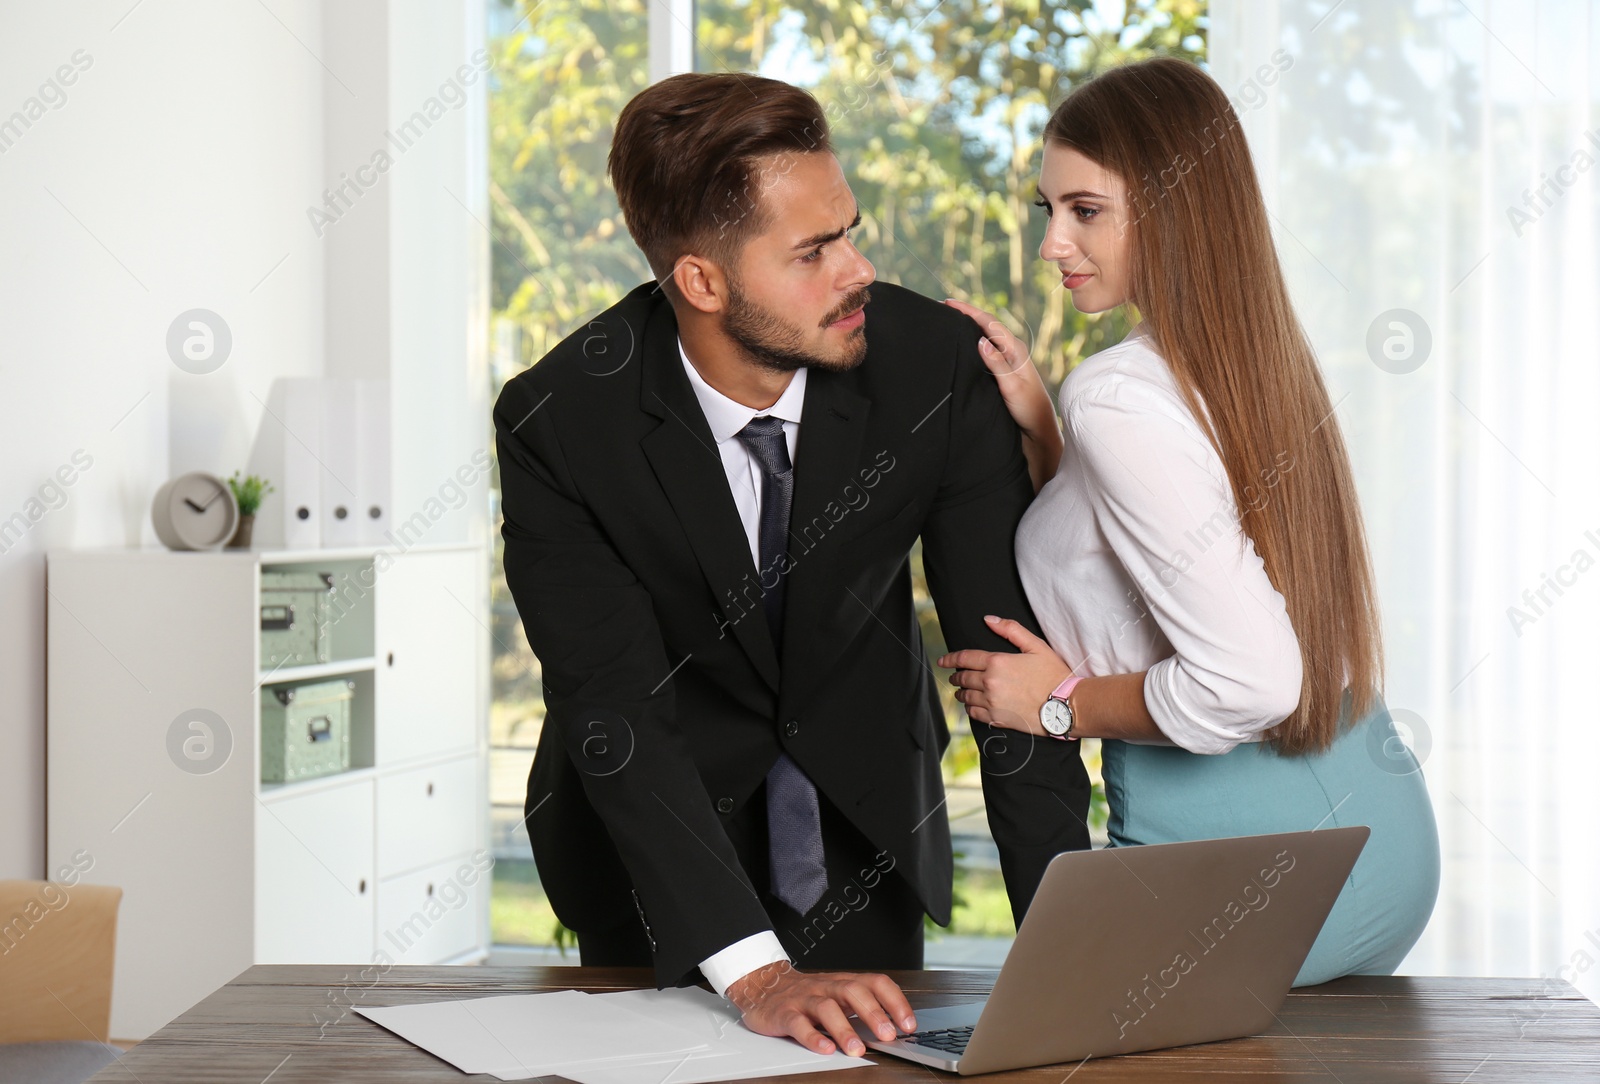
(690, 161)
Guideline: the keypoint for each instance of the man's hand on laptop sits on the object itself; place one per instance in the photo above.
(778, 1000)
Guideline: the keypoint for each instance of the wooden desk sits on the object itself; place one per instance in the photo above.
(262, 1025)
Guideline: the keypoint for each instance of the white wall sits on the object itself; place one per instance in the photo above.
(177, 174)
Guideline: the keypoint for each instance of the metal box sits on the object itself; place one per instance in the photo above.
(294, 618)
(305, 730)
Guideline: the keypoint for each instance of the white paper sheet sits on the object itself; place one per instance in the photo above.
(687, 1036)
(735, 1052)
(527, 1035)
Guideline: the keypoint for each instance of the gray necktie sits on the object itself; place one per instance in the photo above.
(794, 817)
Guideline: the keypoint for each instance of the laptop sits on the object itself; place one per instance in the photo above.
(1138, 948)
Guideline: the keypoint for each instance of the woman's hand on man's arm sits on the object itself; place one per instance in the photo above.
(1023, 390)
(1007, 690)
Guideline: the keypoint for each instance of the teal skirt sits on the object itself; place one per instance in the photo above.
(1163, 794)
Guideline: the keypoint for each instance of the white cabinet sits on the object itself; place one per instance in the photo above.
(317, 904)
(154, 760)
(419, 811)
(427, 914)
(427, 632)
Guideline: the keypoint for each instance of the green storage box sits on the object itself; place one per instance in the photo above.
(305, 730)
(294, 618)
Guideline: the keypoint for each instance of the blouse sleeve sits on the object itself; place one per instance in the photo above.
(1161, 496)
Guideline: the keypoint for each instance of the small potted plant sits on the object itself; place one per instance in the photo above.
(248, 491)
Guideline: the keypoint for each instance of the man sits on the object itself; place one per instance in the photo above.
(711, 493)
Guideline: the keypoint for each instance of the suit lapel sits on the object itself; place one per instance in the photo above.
(684, 456)
(833, 426)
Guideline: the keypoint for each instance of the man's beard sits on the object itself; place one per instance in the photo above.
(773, 344)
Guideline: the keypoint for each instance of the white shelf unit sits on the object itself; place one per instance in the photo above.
(298, 675)
(385, 862)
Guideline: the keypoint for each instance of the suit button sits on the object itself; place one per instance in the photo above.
(724, 805)
(793, 728)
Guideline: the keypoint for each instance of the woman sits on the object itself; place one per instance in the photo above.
(1198, 562)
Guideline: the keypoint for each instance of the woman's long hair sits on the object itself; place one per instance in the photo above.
(1206, 280)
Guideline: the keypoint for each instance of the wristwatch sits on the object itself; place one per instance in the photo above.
(1056, 714)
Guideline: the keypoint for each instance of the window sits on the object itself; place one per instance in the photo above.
(563, 69)
(936, 108)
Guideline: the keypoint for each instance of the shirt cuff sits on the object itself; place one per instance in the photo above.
(723, 969)
(1185, 728)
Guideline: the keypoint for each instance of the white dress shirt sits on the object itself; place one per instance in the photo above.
(1134, 559)
(726, 418)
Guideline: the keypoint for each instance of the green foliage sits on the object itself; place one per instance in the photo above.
(936, 109)
(562, 252)
(1099, 812)
(248, 491)
(979, 905)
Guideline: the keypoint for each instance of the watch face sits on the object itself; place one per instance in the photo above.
(1055, 716)
(201, 511)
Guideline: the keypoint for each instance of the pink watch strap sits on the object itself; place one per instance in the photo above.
(1064, 690)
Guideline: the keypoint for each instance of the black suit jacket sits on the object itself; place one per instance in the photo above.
(667, 703)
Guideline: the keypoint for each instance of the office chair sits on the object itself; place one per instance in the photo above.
(57, 952)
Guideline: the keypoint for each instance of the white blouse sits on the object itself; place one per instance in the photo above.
(1134, 559)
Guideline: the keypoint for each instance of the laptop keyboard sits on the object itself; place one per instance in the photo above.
(949, 1040)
